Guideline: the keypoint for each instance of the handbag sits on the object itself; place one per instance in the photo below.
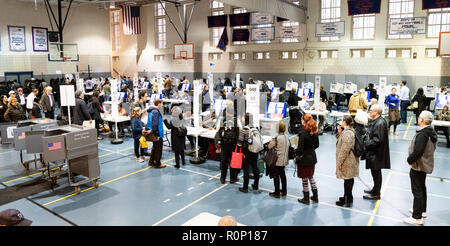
(414, 105)
(143, 142)
(292, 154)
(271, 156)
(150, 136)
(361, 117)
(236, 159)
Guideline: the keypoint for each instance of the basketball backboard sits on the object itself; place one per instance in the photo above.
(183, 51)
(63, 52)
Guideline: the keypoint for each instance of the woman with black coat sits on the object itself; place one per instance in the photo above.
(421, 100)
(36, 110)
(177, 134)
(306, 160)
(3, 107)
(94, 101)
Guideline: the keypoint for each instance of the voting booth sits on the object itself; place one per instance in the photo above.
(337, 88)
(275, 113)
(304, 92)
(219, 105)
(228, 89)
(350, 88)
(145, 85)
(154, 96)
(308, 85)
(430, 91)
(291, 85)
(442, 100)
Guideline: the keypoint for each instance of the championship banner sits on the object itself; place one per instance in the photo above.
(17, 38)
(410, 25)
(241, 35)
(359, 7)
(263, 33)
(217, 21)
(330, 29)
(40, 39)
(289, 32)
(240, 19)
(435, 4)
(262, 19)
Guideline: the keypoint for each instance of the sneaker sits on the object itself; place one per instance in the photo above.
(243, 190)
(413, 221)
(160, 166)
(139, 159)
(395, 133)
(424, 214)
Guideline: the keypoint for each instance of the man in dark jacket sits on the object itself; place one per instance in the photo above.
(293, 98)
(377, 150)
(48, 103)
(155, 124)
(421, 160)
(81, 111)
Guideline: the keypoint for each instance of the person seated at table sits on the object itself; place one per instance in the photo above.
(331, 104)
(305, 105)
(120, 125)
(444, 115)
(321, 107)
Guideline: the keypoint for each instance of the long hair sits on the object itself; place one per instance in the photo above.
(135, 113)
(310, 124)
(420, 91)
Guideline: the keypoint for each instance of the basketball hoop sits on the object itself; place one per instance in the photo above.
(64, 59)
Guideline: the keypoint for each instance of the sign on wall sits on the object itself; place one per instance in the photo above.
(358, 7)
(263, 34)
(262, 19)
(289, 32)
(17, 38)
(40, 39)
(330, 29)
(410, 25)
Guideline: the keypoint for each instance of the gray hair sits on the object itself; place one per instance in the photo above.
(78, 93)
(378, 108)
(427, 116)
(227, 221)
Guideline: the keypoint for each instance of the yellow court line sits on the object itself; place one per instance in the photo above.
(406, 132)
(379, 201)
(107, 182)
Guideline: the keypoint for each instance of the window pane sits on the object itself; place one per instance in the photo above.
(356, 53)
(368, 53)
(406, 53)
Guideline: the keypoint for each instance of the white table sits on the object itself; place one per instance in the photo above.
(205, 219)
(110, 118)
(440, 123)
(317, 113)
(176, 101)
(336, 115)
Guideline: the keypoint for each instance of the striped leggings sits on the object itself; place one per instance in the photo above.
(305, 184)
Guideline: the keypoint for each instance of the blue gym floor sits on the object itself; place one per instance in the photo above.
(131, 193)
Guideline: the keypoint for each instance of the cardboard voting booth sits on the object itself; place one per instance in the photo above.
(122, 97)
(291, 85)
(276, 110)
(304, 92)
(219, 105)
(350, 88)
(154, 96)
(429, 91)
(442, 100)
(228, 89)
(308, 85)
(145, 85)
(336, 87)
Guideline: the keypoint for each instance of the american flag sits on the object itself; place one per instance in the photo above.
(21, 135)
(131, 20)
(54, 146)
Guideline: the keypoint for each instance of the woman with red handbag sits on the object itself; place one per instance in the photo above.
(281, 144)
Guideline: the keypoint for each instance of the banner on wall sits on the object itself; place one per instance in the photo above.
(358, 7)
(263, 33)
(289, 32)
(435, 4)
(40, 39)
(262, 19)
(240, 19)
(241, 35)
(217, 21)
(330, 29)
(17, 38)
(410, 25)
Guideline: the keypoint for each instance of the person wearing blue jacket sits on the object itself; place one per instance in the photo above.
(136, 128)
(393, 101)
(155, 124)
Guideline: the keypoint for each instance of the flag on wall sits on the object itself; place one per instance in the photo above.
(223, 42)
(131, 20)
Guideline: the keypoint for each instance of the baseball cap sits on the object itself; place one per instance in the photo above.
(11, 92)
(13, 217)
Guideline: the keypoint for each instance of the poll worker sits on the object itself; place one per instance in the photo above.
(48, 103)
(30, 100)
(377, 150)
(404, 101)
(444, 115)
(393, 100)
(421, 161)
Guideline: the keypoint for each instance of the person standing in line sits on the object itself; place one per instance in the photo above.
(281, 144)
(404, 101)
(373, 92)
(177, 134)
(251, 158)
(21, 97)
(35, 112)
(377, 150)
(15, 112)
(48, 103)
(81, 111)
(94, 100)
(107, 91)
(421, 100)
(323, 94)
(155, 124)
(137, 128)
(30, 100)
(3, 107)
(357, 101)
(347, 164)
(421, 161)
(306, 160)
(393, 100)
(293, 98)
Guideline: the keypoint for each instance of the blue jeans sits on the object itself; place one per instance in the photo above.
(403, 112)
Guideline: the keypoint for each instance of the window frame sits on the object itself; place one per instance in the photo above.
(329, 20)
(161, 17)
(374, 27)
(401, 14)
(431, 11)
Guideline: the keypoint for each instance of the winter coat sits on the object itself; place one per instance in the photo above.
(36, 111)
(178, 142)
(155, 122)
(293, 99)
(345, 156)
(14, 114)
(136, 128)
(307, 144)
(81, 112)
(377, 145)
(97, 109)
(421, 150)
(422, 103)
(357, 101)
(3, 108)
(282, 148)
(45, 102)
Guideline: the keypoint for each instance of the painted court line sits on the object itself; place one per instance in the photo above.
(179, 194)
(190, 188)
(377, 205)
(428, 194)
(406, 132)
(167, 200)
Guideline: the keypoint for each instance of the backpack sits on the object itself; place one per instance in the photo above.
(358, 149)
(181, 131)
(229, 136)
(91, 109)
(257, 144)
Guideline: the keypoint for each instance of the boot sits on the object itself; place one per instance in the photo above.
(345, 202)
(315, 196)
(305, 199)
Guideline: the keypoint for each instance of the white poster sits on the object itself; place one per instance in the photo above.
(197, 95)
(291, 85)
(252, 98)
(263, 33)
(382, 89)
(80, 85)
(409, 25)
(262, 19)
(330, 29)
(308, 85)
(349, 88)
(67, 95)
(40, 39)
(238, 80)
(10, 131)
(114, 99)
(211, 86)
(336, 87)
(317, 91)
(429, 91)
(17, 41)
(289, 32)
